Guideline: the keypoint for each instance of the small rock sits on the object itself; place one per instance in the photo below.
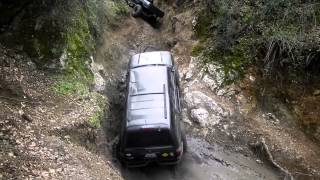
(191, 68)
(316, 92)
(317, 133)
(10, 154)
(210, 82)
(271, 117)
(26, 117)
(200, 115)
(99, 81)
(259, 161)
(187, 121)
(217, 73)
(199, 99)
(44, 174)
(33, 144)
(188, 76)
(51, 171)
(252, 78)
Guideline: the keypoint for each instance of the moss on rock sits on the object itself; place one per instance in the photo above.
(80, 46)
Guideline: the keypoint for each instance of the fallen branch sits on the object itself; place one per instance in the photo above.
(303, 174)
(263, 146)
(270, 157)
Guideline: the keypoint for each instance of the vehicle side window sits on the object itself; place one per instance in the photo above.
(177, 91)
(178, 128)
(174, 93)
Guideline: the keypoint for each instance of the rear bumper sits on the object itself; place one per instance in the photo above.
(145, 162)
(153, 10)
(156, 11)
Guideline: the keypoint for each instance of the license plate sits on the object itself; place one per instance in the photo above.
(151, 155)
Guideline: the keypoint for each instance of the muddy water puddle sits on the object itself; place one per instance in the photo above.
(204, 161)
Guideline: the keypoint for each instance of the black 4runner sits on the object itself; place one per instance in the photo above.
(144, 8)
(152, 129)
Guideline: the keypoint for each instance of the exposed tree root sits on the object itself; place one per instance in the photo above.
(262, 146)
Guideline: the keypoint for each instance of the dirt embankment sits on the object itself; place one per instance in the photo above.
(45, 135)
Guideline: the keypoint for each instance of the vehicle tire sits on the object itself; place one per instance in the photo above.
(156, 11)
(184, 139)
(115, 150)
(137, 10)
(116, 154)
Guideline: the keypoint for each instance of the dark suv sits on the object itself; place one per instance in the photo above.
(152, 128)
(144, 8)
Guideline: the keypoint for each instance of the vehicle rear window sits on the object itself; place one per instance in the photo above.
(148, 138)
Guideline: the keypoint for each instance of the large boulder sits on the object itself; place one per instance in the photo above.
(204, 110)
(200, 116)
(199, 99)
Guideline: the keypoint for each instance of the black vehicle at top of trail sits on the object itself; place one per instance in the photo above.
(152, 128)
(145, 8)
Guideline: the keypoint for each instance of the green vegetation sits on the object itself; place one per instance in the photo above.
(280, 36)
(115, 12)
(79, 47)
(95, 120)
(197, 49)
(204, 22)
(85, 25)
(234, 61)
(67, 85)
(119, 8)
(77, 76)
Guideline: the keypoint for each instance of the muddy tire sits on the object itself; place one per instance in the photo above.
(137, 11)
(184, 139)
(116, 150)
(116, 154)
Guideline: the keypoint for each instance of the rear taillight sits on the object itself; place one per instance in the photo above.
(179, 151)
(129, 156)
(147, 129)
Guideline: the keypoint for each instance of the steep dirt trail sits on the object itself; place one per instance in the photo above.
(203, 160)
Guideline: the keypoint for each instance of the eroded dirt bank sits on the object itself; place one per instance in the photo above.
(44, 135)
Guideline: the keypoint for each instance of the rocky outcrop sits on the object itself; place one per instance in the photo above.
(48, 29)
(203, 108)
(200, 115)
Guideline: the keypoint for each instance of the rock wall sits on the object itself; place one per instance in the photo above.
(50, 30)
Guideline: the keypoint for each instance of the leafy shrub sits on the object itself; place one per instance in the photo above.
(282, 35)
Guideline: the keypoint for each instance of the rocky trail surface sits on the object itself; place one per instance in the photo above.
(203, 160)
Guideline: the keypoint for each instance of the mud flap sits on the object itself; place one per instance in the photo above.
(156, 11)
(137, 11)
